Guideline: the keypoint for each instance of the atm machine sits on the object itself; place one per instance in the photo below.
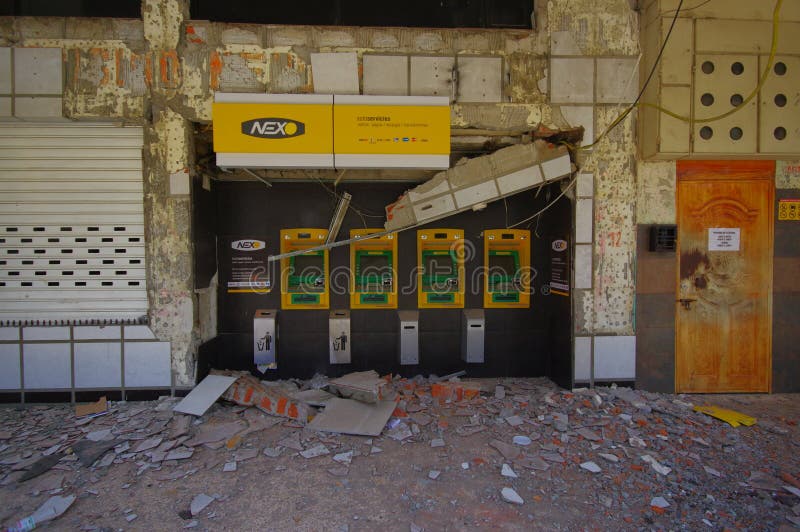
(304, 277)
(373, 270)
(440, 268)
(507, 261)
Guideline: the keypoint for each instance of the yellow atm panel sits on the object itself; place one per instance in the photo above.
(373, 270)
(304, 278)
(440, 268)
(507, 259)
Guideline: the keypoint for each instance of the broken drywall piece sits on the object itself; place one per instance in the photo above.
(313, 397)
(98, 408)
(346, 416)
(204, 394)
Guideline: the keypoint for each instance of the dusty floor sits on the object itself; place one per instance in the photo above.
(711, 476)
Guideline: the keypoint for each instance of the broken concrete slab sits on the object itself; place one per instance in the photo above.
(214, 432)
(347, 416)
(42, 465)
(204, 394)
(273, 400)
(364, 386)
(88, 451)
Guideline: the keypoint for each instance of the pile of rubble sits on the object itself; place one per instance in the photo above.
(642, 459)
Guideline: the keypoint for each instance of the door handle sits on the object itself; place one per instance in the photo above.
(686, 302)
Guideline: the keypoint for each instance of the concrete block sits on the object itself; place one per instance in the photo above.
(38, 71)
(47, 366)
(9, 361)
(585, 185)
(617, 80)
(108, 332)
(335, 73)
(563, 43)
(580, 116)
(615, 357)
(38, 107)
(237, 76)
(480, 79)
(583, 221)
(583, 266)
(572, 80)
(432, 76)
(98, 365)
(5, 106)
(179, 184)
(147, 364)
(5, 71)
(385, 74)
(45, 333)
(583, 358)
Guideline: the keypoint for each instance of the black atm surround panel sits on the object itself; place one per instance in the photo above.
(519, 341)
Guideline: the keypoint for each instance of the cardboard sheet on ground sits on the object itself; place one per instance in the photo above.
(347, 416)
(204, 394)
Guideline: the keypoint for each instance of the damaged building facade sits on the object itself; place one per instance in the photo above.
(114, 211)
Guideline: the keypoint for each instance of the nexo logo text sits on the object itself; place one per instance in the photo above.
(273, 128)
(248, 245)
(559, 245)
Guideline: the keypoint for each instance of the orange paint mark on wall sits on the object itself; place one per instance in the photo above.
(148, 70)
(214, 70)
(120, 57)
(170, 69)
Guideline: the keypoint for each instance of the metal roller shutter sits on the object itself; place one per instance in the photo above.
(71, 224)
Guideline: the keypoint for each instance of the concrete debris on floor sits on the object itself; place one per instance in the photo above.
(365, 451)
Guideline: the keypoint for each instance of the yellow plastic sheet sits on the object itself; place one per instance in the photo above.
(732, 417)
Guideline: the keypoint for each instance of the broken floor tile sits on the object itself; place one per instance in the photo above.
(589, 434)
(181, 453)
(591, 467)
(659, 502)
(273, 452)
(291, 442)
(509, 495)
(506, 471)
(229, 467)
(660, 469)
(610, 457)
(315, 451)
(514, 421)
(147, 444)
(434, 474)
(199, 503)
(521, 440)
(245, 454)
(343, 458)
(400, 432)
(437, 442)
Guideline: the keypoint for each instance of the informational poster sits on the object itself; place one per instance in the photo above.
(723, 238)
(559, 267)
(245, 265)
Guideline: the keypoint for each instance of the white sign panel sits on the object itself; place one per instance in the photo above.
(723, 238)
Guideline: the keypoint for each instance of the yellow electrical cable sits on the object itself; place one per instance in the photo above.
(762, 80)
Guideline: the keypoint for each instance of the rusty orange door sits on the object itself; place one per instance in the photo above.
(724, 304)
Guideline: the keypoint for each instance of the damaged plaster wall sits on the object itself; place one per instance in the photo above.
(162, 72)
(607, 31)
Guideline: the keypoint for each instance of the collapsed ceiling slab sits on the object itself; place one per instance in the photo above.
(476, 182)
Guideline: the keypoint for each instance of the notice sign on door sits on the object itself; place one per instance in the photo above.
(723, 238)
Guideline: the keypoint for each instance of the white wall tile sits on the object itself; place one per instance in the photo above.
(38, 107)
(9, 334)
(98, 365)
(335, 73)
(585, 185)
(583, 358)
(147, 364)
(580, 116)
(45, 333)
(583, 221)
(617, 80)
(38, 71)
(385, 74)
(571, 80)
(139, 332)
(615, 357)
(432, 76)
(5, 106)
(480, 79)
(563, 43)
(107, 332)
(583, 266)
(46, 366)
(9, 367)
(5, 70)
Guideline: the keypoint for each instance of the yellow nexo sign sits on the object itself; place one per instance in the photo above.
(323, 131)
